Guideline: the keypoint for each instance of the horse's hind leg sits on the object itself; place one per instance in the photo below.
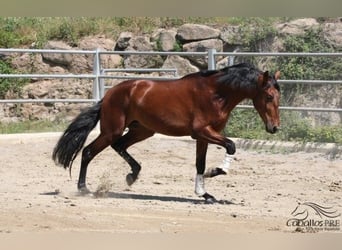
(201, 152)
(88, 153)
(135, 134)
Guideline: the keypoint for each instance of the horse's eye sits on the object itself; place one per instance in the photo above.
(269, 98)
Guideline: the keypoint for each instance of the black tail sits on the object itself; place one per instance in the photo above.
(74, 137)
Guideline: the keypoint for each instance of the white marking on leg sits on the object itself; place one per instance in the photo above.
(226, 162)
(199, 185)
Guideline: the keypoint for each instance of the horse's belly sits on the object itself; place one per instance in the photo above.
(161, 120)
(170, 125)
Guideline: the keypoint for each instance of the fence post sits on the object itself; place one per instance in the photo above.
(211, 59)
(97, 72)
(102, 84)
(232, 58)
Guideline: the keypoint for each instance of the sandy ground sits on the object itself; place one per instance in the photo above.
(258, 194)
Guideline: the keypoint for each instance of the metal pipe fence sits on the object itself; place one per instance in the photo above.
(99, 74)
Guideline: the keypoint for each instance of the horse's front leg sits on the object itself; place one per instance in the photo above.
(212, 136)
(222, 169)
(201, 152)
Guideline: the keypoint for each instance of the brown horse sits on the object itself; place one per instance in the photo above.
(197, 105)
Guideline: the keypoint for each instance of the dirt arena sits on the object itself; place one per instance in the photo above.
(258, 195)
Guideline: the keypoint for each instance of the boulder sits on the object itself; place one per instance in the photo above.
(155, 35)
(141, 43)
(333, 34)
(123, 40)
(297, 27)
(182, 65)
(57, 58)
(195, 32)
(85, 62)
(167, 40)
(92, 43)
(202, 46)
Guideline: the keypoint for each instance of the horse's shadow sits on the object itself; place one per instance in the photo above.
(145, 197)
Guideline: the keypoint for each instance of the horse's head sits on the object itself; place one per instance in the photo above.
(266, 101)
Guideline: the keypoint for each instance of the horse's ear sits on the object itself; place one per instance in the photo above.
(277, 75)
(263, 79)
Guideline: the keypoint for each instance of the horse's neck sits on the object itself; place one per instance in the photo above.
(233, 96)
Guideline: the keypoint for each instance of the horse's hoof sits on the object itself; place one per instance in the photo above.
(130, 179)
(83, 190)
(214, 172)
(209, 199)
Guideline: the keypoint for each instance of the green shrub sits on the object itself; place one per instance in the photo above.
(8, 39)
(9, 84)
(71, 29)
(316, 68)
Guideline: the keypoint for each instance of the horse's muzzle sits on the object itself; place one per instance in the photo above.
(271, 129)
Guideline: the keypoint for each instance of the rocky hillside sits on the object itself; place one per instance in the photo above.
(188, 38)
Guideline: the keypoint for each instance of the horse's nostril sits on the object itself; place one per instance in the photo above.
(272, 129)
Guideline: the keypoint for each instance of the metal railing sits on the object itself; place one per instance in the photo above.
(50, 76)
(99, 75)
(232, 55)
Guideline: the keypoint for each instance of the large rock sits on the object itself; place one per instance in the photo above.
(297, 27)
(100, 42)
(196, 32)
(202, 46)
(123, 40)
(83, 62)
(167, 40)
(58, 58)
(141, 43)
(182, 65)
(333, 34)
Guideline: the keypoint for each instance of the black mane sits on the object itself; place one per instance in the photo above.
(239, 75)
(238, 71)
(242, 74)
